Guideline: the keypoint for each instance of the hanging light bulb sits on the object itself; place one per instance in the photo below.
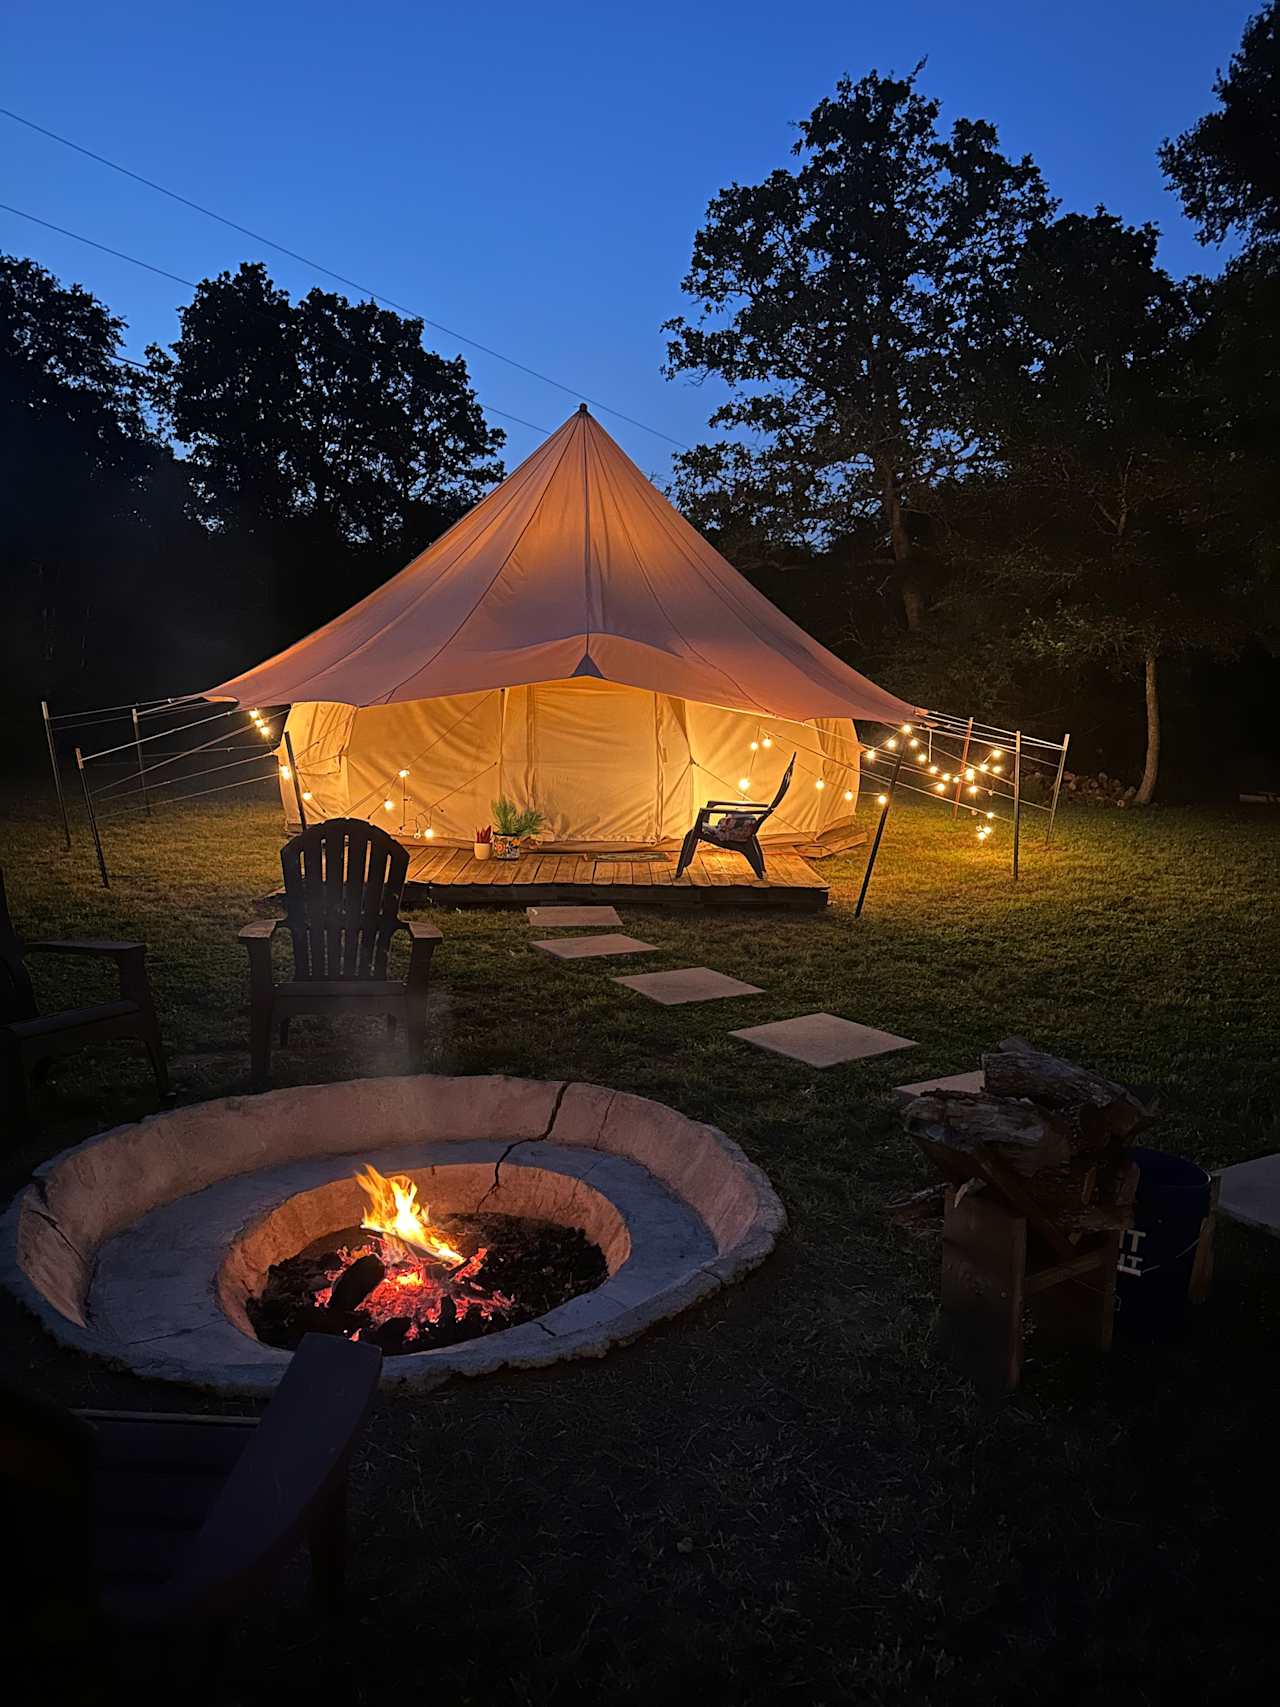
(940, 787)
(848, 794)
(906, 728)
(285, 772)
(946, 776)
(767, 742)
(996, 753)
(972, 791)
(819, 783)
(755, 746)
(306, 794)
(891, 745)
(969, 775)
(744, 783)
(990, 814)
(933, 770)
(998, 769)
(870, 755)
(402, 774)
(882, 799)
(264, 731)
(255, 714)
(429, 831)
(388, 805)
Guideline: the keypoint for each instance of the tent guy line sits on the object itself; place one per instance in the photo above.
(353, 284)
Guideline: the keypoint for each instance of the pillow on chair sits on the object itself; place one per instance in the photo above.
(737, 826)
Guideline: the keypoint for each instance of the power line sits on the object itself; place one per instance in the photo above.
(352, 284)
(190, 284)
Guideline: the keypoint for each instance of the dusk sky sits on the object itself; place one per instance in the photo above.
(532, 177)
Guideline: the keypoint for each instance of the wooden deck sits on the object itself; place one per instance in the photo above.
(453, 877)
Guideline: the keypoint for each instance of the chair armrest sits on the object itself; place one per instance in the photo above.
(422, 932)
(260, 930)
(734, 806)
(86, 945)
(290, 1462)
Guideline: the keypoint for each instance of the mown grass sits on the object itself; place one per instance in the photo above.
(784, 1494)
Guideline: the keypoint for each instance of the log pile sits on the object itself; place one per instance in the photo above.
(1099, 790)
(1048, 1136)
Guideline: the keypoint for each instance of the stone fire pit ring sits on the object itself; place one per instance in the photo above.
(142, 1245)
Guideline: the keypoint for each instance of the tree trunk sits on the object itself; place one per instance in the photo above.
(900, 539)
(1147, 787)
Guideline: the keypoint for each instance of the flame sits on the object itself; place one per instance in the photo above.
(395, 1212)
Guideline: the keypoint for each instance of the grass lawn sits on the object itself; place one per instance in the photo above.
(784, 1494)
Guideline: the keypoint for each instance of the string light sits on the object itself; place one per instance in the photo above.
(306, 794)
(429, 831)
(402, 774)
(870, 755)
(264, 731)
(744, 783)
(933, 770)
(755, 746)
(255, 714)
(891, 745)
(969, 775)
(388, 805)
(819, 783)
(971, 791)
(882, 799)
(906, 728)
(990, 814)
(767, 742)
(848, 794)
(940, 787)
(996, 753)
(285, 772)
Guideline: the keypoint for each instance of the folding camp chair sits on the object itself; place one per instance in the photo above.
(738, 827)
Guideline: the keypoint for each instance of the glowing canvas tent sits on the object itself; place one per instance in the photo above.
(571, 643)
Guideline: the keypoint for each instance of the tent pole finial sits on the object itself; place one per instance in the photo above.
(583, 410)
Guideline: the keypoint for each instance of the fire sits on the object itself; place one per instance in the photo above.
(394, 1212)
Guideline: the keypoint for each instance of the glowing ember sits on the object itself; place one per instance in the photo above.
(394, 1211)
(409, 1290)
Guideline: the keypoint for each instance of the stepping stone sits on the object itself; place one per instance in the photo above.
(588, 947)
(822, 1040)
(957, 1082)
(688, 984)
(1250, 1192)
(552, 918)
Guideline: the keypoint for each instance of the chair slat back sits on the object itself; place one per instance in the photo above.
(17, 998)
(783, 786)
(343, 884)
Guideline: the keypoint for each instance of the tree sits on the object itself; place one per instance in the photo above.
(1113, 534)
(1226, 167)
(322, 429)
(78, 454)
(835, 301)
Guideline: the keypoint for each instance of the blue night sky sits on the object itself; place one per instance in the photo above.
(532, 176)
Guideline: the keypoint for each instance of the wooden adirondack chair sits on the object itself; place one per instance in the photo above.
(737, 829)
(29, 1039)
(343, 884)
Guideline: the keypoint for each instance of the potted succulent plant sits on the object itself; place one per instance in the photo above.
(511, 824)
(484, 841)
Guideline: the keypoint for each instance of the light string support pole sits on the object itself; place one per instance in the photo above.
(57, 775)
(142, 770)
(297, 785)
(875, 846)
(1057, 788)
(93, 819)
(964, 760)
(1017, 798)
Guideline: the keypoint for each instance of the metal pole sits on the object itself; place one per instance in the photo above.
(1017, 798)
(1057, 785)
(297, 786)
(964, 760)
(57, 776)
(875, 846)
(142, 774)
(93, 819)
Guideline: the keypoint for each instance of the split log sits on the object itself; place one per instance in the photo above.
(355, 1284)
(1027, 1139)
(1094, 1109)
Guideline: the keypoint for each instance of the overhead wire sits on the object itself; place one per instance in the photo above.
(329, 272)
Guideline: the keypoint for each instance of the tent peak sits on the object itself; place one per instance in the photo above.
(583, 410)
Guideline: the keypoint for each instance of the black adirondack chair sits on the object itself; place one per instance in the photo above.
(343, 884)
(30, 1039)
(154, 1521)
(736, 828)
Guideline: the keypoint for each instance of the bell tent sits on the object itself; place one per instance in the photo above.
(574, 645)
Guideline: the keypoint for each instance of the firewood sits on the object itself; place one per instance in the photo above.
(1026, 1138)
(1095, 1108)
(355, 1284)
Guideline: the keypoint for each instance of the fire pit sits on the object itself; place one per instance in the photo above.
(482, 1223)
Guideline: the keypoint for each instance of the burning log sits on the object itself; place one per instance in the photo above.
(355, 1284)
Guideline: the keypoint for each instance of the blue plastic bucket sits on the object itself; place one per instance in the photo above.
(1158, 1252)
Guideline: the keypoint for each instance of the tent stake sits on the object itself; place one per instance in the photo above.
(142, 773)
(93, 818)
(57, 775)
(1017, 798)
(293, 772)
(1057, 785)
(964, 760)
(875, 846)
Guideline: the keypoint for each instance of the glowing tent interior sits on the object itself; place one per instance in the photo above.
(574, 645)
